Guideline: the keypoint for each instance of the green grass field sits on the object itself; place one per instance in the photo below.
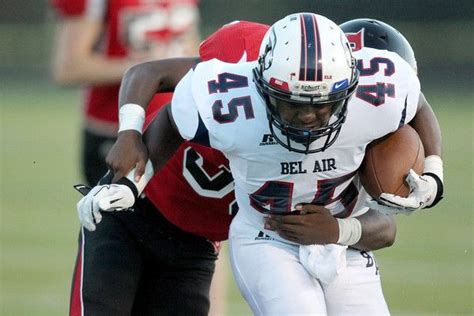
(429, 270)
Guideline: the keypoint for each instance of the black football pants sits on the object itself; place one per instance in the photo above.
(94, 150)
(137, 263)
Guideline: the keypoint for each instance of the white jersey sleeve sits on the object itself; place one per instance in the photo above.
(213, 102)
(386, 98)
(408, 86)
(184, 109)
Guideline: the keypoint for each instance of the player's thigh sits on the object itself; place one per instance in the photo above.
(94, 150)
(358, 289)
(270, 276)
(178, 284)
(107, 271)
(178, 267)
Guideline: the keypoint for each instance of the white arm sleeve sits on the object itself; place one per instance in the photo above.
(184, 108)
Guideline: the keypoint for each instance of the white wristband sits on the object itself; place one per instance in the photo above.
(131, 116)
(434, 164)
(140, 185)
(350, 231)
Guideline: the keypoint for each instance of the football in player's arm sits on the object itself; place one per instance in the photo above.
(298, 129)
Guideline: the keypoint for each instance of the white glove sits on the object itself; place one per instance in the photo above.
(423, 192)
(109, 197)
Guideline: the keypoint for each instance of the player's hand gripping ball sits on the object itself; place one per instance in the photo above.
(391, 168)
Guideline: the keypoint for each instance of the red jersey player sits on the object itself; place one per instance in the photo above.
(159, 258)
(98, 40)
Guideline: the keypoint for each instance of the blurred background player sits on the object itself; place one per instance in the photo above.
(97, 41)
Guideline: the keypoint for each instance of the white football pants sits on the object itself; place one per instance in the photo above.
(274, 282)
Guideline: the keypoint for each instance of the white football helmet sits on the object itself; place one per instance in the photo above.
(305, 59)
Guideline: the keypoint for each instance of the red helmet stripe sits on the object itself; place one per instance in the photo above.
(318, 61)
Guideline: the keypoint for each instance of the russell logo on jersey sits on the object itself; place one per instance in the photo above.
(262, 236)
(268, 140)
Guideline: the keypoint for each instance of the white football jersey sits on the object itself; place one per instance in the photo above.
(218, 104)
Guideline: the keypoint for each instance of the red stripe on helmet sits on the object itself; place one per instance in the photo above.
(318, 58)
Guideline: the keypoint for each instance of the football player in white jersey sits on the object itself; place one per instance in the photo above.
(302, 84)
(292, 139)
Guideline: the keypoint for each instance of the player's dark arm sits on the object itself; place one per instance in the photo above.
(427, 126)
(426, 191)
(378, 231)
(318, 226)
(139, 84)
(162, 138)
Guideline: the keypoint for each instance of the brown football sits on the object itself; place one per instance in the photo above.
(388, 160)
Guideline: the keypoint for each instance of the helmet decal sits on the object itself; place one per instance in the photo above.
(279, 84)
(341, 85)
(268, 54)
(310, 65)
(356, 40)
(378, 35)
